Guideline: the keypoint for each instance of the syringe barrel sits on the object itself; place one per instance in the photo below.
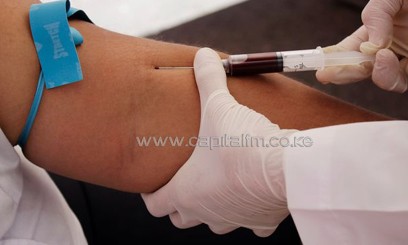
(285, 61)
(256, 63)
(303, 60)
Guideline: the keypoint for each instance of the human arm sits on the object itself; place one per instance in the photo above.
(384, 33)
(88, 130)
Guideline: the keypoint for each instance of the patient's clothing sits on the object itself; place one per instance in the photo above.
(32, 210)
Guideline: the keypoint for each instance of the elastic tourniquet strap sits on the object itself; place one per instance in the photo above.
(55, 43)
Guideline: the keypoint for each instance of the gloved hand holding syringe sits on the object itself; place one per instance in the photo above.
(288, 61)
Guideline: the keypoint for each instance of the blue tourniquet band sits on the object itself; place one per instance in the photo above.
(33, 111)
(55, 43)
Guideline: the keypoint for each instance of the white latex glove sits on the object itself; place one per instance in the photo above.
(384, 33)
(225, 187)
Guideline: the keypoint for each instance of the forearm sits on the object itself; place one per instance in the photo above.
(88, 130)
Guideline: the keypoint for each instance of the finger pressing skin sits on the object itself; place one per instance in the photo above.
(209, 73)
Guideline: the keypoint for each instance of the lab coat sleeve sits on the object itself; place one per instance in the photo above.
(351, 185)
(11, 184)
(32, 210)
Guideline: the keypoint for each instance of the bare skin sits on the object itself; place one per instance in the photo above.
(87, 130)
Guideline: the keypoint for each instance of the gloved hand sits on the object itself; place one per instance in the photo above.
(384, 33)
(228, 186)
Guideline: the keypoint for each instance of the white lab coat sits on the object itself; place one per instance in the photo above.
(32, 210)
(351, 185)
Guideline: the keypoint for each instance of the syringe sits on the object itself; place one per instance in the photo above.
(288, 61)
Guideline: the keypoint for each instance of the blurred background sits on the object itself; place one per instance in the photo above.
(146, 17)
(233, 26)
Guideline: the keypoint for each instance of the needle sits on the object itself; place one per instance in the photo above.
(172, 67)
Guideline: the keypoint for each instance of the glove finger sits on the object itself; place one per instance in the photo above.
(345, 74)
(182, 223)
(378, 18)
(209, 73)
(159, 203)
(351, 42)
(389, 73)
(222, 229)
(264, 233)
